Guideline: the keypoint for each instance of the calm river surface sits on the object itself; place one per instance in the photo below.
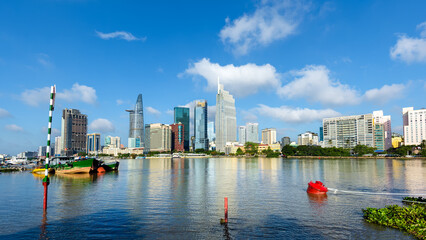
(183, 199)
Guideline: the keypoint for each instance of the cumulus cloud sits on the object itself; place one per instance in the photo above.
(78, 93)
(153, 111)
(295, 115)
(4, 113)
(315, 84)
(102, 125)
(239, 80)
(385, 93)
(119, 34)
(411, 49)
(271, 21)
(14, 128)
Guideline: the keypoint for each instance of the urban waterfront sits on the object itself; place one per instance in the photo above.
(183, 199)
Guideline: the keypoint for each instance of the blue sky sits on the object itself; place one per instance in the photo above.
(288, 63)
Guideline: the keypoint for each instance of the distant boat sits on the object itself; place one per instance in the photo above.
(140, 157)
(90, 165)
(177, 155)
(18, 160)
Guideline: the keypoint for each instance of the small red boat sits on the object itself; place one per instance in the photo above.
(316, 188)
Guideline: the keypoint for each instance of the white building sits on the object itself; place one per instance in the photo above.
(252, 132)
(349, 131)
(160, 137)
(414, 122)
(226, 118)
(58, 145)
(269, 136)
(386, 121)
(242, 137)
(307, 138)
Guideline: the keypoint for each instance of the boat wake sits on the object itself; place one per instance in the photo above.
(335, 191)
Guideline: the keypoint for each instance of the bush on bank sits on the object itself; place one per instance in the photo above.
(411, 219)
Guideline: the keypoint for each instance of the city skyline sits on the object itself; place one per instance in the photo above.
(322, 65)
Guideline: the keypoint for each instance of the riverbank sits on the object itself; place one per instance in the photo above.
(353, 157)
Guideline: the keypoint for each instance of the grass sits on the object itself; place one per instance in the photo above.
(411, 219)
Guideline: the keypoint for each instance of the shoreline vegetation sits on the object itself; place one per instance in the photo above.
(411, 218)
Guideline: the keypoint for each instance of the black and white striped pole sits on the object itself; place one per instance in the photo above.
(46, 180)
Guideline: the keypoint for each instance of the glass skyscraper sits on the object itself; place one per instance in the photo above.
(182, 116)
(210, 132)
(226, 119)
(200, 125)
(136, 126)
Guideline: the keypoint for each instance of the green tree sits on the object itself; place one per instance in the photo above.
(239, 152)
(251, 148)
(363, 149)
(288, 150)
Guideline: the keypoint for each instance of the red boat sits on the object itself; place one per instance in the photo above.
(316, 188)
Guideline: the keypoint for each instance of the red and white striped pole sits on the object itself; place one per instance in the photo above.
(46, 180)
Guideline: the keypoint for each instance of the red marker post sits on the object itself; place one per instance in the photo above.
(225, 220)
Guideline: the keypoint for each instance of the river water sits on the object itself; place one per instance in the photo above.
(183, 199)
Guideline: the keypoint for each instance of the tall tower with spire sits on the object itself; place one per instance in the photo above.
(136, 126)
(226, 119)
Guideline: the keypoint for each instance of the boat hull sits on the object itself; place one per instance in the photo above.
(316, 188)
(78, 167)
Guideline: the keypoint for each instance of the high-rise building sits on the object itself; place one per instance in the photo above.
(414, 122)
(136, 125)
(41, 151)
(385, 133)
(321, 134)
(307, 138)
(147, 138)
(379, 136)
(349, 131)
(107, 140)
(93, 143)
(181, 115)
(242, 136)
(285, 141)
(73, 131)
(269, 136)
(226, 119)
(58, 145)
(210, 132)
(201, 140)
(252, 132)
(160, 136)
(178, 136)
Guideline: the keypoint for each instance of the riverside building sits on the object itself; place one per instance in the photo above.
(178, 136)
(159, 137)
(269, 136)
(73, 131)
(414, 122)
(382, 130)
(201, 140)
(252, 132)
(136, 125)
(307, 138)
(93, 143)
(242, 138)
(181, 115)
(226, 120)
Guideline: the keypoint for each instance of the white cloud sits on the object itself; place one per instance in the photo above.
(411, 49)
(248, 116)
(153, 111)
(82, 93)
(385, 93)
(119, 102)
(44, 60)
(102, 125)
(272, 20)
(170, 112)
(4, 113)
(295, 115)
(119, 34)
(314, 83)
(239, 80)
(14, 128)
(55, 131)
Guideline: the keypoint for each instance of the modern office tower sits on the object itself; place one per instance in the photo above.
(269, 136)
(108, 140)
(93, 143)
(115, 142)
(379, 136)
(41, 151)
(136, 126)
(252, 132)
(201, 140)
(242, 138)
(321, 134)
(414, 122)
(147, 138)
(210, 132)
(387, 131)
(58, 145)
(181, 115)
(73, 131)
(160, 136)
(307, 138)
(226, 118)
(349, 131)
(285, 141)
(178, 136)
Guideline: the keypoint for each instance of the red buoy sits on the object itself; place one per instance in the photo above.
(316, 188)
